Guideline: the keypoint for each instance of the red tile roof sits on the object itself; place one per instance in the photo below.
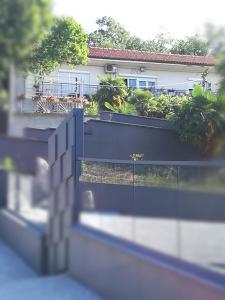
(134, 55)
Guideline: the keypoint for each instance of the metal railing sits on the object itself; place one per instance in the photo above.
(62, 90)
(174, 207)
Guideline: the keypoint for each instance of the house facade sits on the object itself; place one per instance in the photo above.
(165, 72)
(160, 73)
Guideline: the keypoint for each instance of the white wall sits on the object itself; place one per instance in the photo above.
(167, 76)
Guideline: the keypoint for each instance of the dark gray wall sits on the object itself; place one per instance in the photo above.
(116, 270)
(23, 152)
(117, 140)
(27, 240)
(114, 140)
(38, 134)
(131, 119)
(154, 202)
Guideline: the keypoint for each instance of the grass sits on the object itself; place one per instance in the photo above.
(210, 180)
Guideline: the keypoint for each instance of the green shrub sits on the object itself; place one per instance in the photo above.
(124, 108)
(92, 109)
(140, 98)
(201, 121)
(112, 90)
(163, 106)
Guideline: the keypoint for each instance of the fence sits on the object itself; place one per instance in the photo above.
(176, 208)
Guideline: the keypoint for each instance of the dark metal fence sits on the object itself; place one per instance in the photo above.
(177, 208)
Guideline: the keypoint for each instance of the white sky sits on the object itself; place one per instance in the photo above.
(144, 18)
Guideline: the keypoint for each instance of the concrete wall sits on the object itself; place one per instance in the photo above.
(27, 240)
(119, 270)
(114, 140)
(23, 152)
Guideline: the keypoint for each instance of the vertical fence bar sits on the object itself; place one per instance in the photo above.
(3, 188)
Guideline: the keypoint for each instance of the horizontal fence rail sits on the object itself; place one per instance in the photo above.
(216, 163)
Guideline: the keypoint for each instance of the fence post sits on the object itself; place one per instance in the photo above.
(65, 146)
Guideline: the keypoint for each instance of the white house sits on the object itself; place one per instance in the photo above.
(168, 72)
(138, 68)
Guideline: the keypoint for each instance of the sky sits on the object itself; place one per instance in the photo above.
(145, 18)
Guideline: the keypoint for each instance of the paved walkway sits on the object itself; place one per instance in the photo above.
(19, 282)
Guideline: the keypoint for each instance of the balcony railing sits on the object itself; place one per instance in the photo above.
(64, 93)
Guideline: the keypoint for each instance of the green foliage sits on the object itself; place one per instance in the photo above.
(112, 90)
(110, 34)
(160, 43)
(66, 42)
(163, 106)
(221, 71)
(23, 24)
(215, 37)
(192, 45)
(141, 98)
(201, 121)
(4, 103)
(123, 108)
(92, 110)
(8, 164)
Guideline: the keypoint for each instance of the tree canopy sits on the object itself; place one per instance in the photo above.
(111, 34)
(22, 25)
(191, 45)
(66, 42)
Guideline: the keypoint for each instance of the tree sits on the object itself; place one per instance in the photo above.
(110, 34)
(215, 38)
(66, 42)
(191, 45)
(22, 25)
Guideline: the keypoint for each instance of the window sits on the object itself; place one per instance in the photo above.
(142, 83)
(132, 83)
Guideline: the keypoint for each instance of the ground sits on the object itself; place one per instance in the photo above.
(19, 282)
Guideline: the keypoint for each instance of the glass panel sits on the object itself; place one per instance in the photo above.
(27, 196)
(202, 216)
(175, 210)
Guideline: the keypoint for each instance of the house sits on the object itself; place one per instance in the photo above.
(161, 73)
(155, 71)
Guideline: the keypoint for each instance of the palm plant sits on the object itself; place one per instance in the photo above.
(201, 121)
